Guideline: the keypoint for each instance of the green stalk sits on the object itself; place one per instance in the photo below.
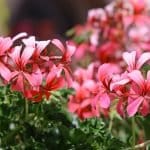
(140, 146)
(110, 124)
(133, 133)
(26, 109)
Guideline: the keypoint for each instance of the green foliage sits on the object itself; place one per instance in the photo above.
(146, 68)
(49, 126)
(83, 37)
(70, 32)
(98, 136)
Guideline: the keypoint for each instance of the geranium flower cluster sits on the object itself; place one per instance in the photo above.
(33, 67)
(121, 25)
(98, 86)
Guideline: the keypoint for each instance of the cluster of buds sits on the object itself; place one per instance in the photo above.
(33, 67)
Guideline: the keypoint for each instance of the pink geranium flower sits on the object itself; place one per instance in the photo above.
(82, 102)
(21, 72)
(39, 46)
(67, 52)
(82, 75)
(133, 61)
(139, 5)
(5, 47)
(53, 81)
(108, 52)
(139, 94)
(105, 73)
(65, 59)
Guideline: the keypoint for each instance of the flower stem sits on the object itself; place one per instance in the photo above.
(133, 133)
(140, 146)
(26, 109)
(110, 124)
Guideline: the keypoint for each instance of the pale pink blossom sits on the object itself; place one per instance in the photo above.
(133, 61)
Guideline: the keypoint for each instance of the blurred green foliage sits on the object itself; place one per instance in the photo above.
(4, 16)
(49, 126)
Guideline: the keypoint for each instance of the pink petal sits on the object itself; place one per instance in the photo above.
(15, 55)
(68, 77)
(26, 55)
(57, 83)
(106, 70)
(85, 103)
(29, 41)
(5, 44)
(5, 72)
(89, 85)
(119, 83)
(90, 71)
(87, 115)
(132, 107)
(96, 13)
(120, 108)
(127, 20)
(41, 45)
(80, 51)
(19, 84)
(130, 59)
(32, 81)
(73, 107)
(145, 109)
(18, 36)
(50, 77)
(80, 74)
(104, 101)
(58, 44)
(136, 76)
(94, 39)
(14, 74)
(37, 75)
(75, 85)
(138, 5)
(143, 58)
(70, 50)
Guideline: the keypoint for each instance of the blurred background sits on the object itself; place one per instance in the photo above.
(44, 18)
